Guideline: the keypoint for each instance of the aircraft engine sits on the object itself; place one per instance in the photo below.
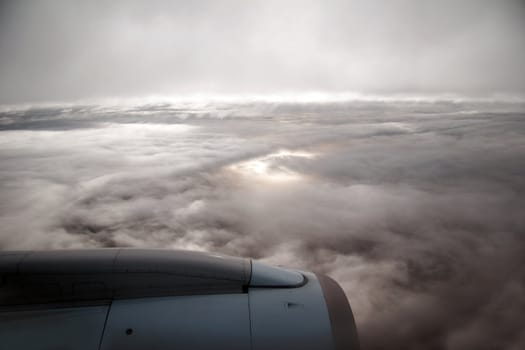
(127, 299)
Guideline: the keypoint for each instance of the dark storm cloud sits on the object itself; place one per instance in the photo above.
(416, 208)
(64, 50)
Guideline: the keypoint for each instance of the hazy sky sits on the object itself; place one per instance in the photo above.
(70, 50)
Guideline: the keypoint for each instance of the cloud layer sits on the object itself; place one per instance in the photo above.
(416, 208)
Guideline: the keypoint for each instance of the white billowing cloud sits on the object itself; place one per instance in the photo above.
(415, 207)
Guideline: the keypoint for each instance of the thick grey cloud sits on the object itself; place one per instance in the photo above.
(415, 207)
(69, 50)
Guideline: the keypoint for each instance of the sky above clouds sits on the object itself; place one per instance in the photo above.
(64, 50)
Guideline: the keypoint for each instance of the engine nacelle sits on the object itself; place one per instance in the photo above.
(163, 299)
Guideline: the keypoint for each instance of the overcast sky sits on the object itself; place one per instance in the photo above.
(71, 50)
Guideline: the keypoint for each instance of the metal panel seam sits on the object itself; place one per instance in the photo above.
(105, 323)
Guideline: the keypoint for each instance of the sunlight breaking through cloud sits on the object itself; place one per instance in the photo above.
(271, 168)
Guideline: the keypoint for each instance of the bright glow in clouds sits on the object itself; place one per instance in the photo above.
(269, 167)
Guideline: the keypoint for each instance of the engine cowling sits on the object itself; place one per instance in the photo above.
(164, 299)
